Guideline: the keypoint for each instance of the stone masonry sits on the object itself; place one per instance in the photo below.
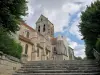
(38, 44)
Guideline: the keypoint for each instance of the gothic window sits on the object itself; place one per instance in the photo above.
(59, 43)
(44, 28)
(51, 32)
(39, 29)
(47, 58)
(47, 52)
(27, 35)
(26, 49)
(41, 19)
(38, 52)
(33, 48)
(55, 52)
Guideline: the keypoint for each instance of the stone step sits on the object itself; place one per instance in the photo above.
(56, 74)
(87, 68)
(65, 61)
(60, 65)
(58, 71)
(58, 62)
(55, 67)
(68, 67)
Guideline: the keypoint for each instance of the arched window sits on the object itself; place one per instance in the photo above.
(55, 51)
(26, 48)
(44, 28)
(39, 29)
(27, 34)
(38, 52)
(47, 58)
(41, 19)
(32, 48)
(47, 52)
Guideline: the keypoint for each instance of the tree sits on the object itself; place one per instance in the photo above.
(98, 45)
(11, 12)
(78, 58)
(9, 45)
(90, 27)
(85, 58)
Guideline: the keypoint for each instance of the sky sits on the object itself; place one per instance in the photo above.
(65, 15)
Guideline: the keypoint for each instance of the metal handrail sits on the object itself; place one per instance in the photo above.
(96, 51)
(97, 55)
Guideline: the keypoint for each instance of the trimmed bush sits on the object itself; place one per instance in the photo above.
(98, 45)
(8, 45)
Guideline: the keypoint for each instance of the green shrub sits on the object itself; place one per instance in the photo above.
(98, 45)
(90, 27)
(78, 58)
(11, 13)
(8, 45)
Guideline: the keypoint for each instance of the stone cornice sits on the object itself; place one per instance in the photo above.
(21, 37)
(38, 45)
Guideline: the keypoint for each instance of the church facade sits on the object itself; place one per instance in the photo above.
(40, 44)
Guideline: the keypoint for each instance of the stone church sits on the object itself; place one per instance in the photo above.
(40, 44)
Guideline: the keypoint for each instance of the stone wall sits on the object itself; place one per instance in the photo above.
(8, 64)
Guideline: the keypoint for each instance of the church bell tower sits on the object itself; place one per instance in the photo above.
(44, 26)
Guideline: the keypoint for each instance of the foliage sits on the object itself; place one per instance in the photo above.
(8, 45)
(78, 58)
(85, 58)
(11, 12)
(98, 45)
(90, 27)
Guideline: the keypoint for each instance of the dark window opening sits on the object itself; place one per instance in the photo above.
(27, 34)
(44, 28)
(32, 48)
(47, 58)
(38, 52)
(55, 52)
(26, 49)
(47, 52)
(39, 29)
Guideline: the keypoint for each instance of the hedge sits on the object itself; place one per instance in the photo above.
(8, 45)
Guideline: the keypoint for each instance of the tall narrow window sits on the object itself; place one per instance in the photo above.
(55, 52)
(44, 28)
(47, 52)
(26, 49)
(39, 29)
(27, 34)
(32, 48)
(38, 52)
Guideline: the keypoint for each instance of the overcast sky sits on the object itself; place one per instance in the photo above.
(65, 15)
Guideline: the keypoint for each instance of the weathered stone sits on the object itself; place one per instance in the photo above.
(8, 64)
(72, 67)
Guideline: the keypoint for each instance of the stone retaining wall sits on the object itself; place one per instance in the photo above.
(8, 64)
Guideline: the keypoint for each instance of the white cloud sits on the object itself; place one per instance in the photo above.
(72, 43)
(75, 30)
(71, 8)
(78, 48)
(59, 13)
(56, 11)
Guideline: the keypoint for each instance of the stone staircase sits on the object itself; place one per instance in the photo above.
(66, 67)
